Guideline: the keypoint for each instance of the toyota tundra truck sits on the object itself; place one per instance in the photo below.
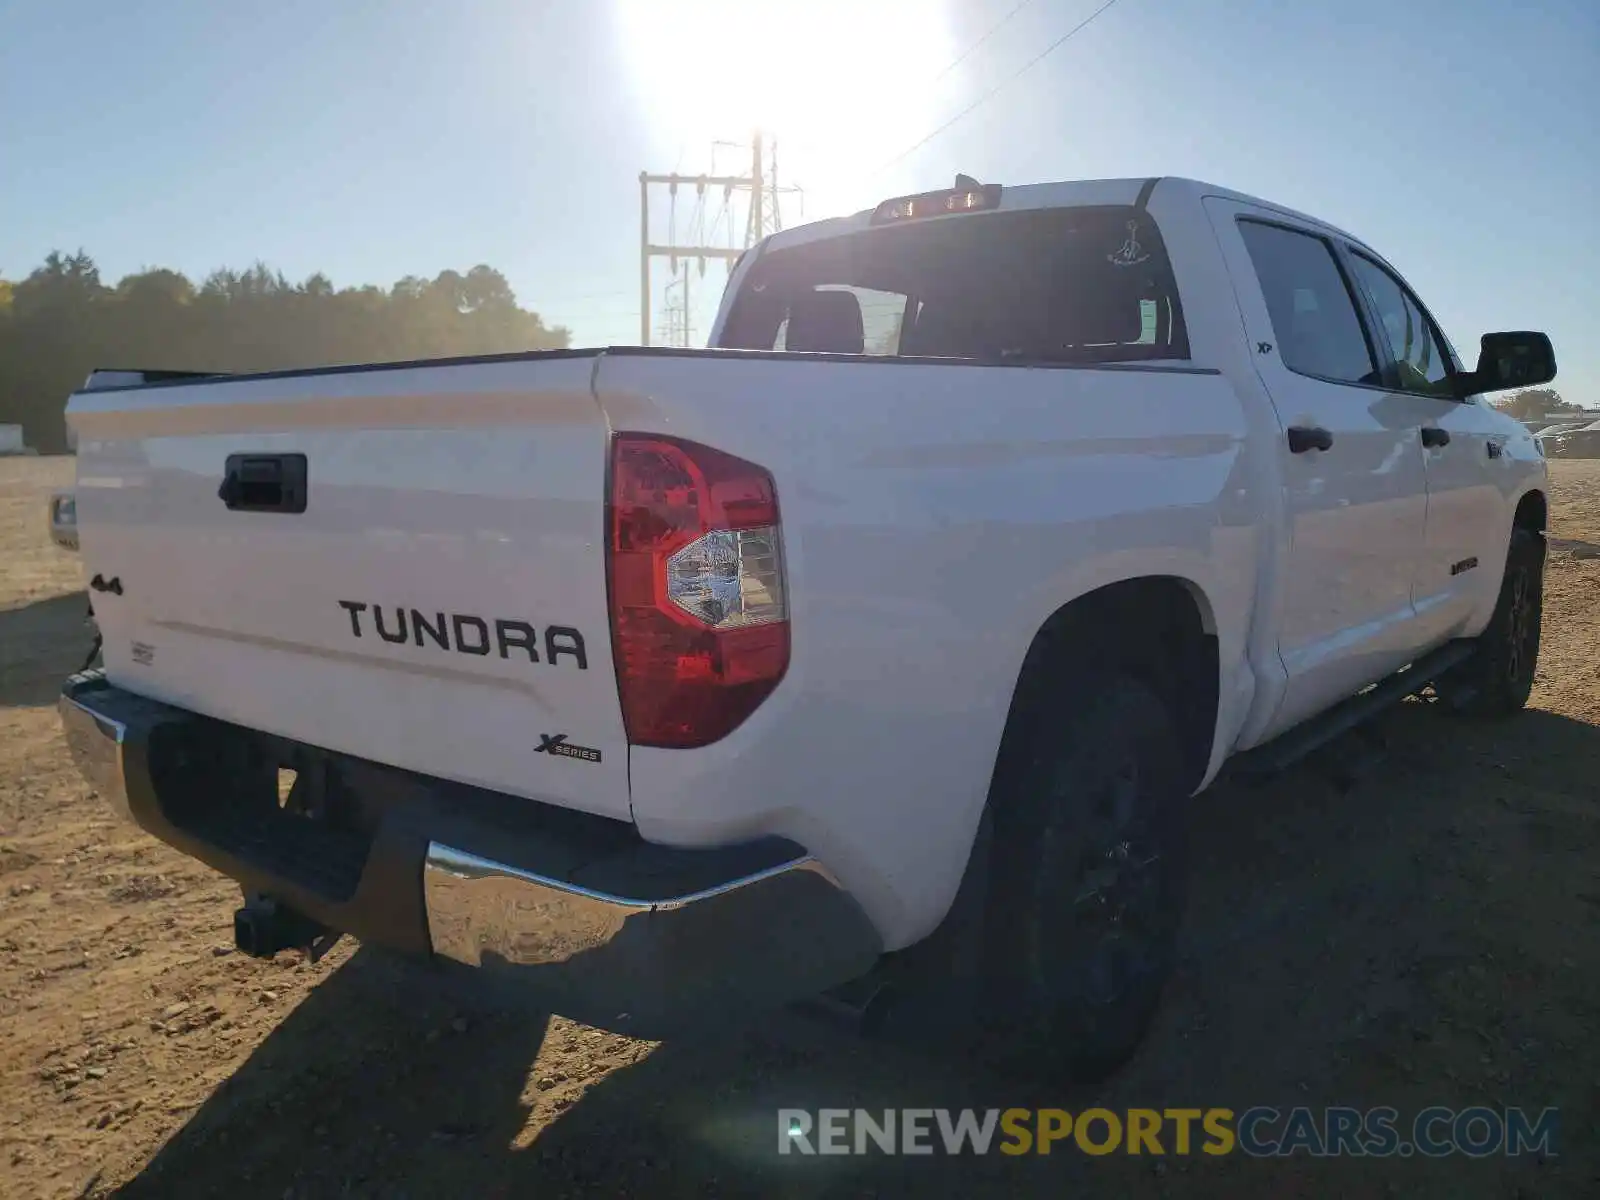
(876, 650)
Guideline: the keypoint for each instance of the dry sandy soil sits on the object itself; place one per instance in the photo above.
(1425, 936)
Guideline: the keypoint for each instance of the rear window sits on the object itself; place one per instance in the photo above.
(1058, 285)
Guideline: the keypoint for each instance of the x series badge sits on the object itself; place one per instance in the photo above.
(556, 744)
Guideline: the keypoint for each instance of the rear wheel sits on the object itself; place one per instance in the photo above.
(1086, 886)
(1498, 678)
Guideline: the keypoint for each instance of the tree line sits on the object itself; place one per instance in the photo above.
(1532, 403)
(61, 322)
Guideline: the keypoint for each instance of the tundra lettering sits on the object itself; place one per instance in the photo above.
(470, 635)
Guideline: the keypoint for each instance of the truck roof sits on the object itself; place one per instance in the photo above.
(1065, 194)
(1021, 197)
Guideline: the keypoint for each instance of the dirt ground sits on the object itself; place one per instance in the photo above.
(1425, 936)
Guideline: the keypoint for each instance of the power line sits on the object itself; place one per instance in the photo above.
(993, 29)
(996, 89)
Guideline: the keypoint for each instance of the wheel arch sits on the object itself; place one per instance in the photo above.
(1162, 629)
(1532, 512)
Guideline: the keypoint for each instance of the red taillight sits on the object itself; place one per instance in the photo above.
(699, 613)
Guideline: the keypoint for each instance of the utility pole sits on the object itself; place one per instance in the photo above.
(758, 194)
(765, 218)
(644, 258)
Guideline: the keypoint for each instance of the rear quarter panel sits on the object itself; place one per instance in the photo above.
(934, 516)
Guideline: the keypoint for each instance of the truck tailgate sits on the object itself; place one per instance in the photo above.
(440, 603)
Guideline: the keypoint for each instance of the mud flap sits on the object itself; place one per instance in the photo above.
(931, 991)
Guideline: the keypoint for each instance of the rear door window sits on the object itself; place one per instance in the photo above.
(1312, 308)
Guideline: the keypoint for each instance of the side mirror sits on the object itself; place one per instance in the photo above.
(1511, 360)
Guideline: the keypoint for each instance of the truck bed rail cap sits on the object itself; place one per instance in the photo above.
(102, 378)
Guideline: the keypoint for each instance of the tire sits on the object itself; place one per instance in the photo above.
(1497, 679)
(1087, 881)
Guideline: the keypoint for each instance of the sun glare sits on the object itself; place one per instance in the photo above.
(839, 84)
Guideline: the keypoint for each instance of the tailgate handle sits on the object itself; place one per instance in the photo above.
(264, 483)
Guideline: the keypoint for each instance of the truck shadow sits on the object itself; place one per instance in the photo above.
(41, 643)
(1334, 929)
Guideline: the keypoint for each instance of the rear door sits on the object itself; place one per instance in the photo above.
(1350, 459)
(434, 599)
(1462, 554)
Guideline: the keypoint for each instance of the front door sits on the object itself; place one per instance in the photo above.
(1351, 462)
(1457, 570)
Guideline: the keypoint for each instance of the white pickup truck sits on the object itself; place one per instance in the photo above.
(886, 640)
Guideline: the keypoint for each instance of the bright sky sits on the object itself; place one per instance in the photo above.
(371, 139)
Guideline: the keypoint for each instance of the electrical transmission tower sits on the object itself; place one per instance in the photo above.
(677, 321)
(765, 217)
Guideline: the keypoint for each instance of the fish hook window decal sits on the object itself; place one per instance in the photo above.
(1131, 253)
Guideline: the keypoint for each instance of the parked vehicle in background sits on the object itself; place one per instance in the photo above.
(11, 441)
(1583, 442)
(1560, 427)
(881, 645)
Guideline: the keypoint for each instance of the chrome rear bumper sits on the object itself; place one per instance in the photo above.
(590, 920)
(635, 957)
(95, 741)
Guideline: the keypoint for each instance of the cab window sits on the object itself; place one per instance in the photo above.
(1414, 345)
(1036, 286)
(1309, 301)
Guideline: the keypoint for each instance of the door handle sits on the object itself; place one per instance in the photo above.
(264, 483)
(1432, 436)
(1309, 437)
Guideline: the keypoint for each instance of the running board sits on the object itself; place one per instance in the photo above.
(1289, 748)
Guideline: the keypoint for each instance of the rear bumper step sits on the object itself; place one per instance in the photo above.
(577, 913)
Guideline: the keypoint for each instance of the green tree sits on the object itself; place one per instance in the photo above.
(1531, 403)
(61, 322)
(155, 288)
(64, 283)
